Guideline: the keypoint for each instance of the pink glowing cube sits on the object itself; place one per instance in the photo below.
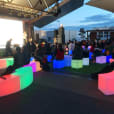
(101, 59)
(38, 66)
(111, 60)
(33, 65)
(10, 85)
(106, 83)
(3, 63)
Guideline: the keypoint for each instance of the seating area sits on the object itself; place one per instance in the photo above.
(106, 83)
(20, 79)
(23, 77)
(77, 64)
(58, 64)
(85, 61)
(6, 62)
(69, 62)
(16, 81)
(101, 59)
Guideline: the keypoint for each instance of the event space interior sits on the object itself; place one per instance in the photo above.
(43, 76)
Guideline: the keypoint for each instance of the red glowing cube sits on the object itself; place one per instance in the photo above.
(10, 85)
(106, 83)
(3, 63)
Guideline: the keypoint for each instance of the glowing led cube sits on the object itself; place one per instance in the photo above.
(90, 55)
(2, 63)
(108, 58)
(85, 61)
(70, 52)
(26, 76)
(33, 65)
(10, 85)
(106, 83)
(103, 51)
(9, 61)
(32, 59)
(38, 67)
(67, 60)
(49, 58)
(6, 62)
(111, 60)
(101, 59)
(77, 64)
(57, 64)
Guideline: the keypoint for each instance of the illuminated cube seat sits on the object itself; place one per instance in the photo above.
(101, 59)
(90, 55)
(32, 59)
(67, 60)
(9, 61)
(103, 51)
(70, 52)
(38, 67)
(26, 76)
(6, 62)
(108, 58)
(33, 65)
(3, 63)
(49, 58)
(57, 64)
(111, 60)
(86, 61)
(106, 83)
(77, 64)
(10, 85)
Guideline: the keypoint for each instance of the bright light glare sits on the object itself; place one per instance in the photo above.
(11, 29)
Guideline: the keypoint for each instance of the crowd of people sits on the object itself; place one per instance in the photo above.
(77, 50)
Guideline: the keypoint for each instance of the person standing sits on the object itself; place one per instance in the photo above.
(8, 50)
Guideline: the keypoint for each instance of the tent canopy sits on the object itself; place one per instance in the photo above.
(66, 7)
(103, 4)
(38, 12)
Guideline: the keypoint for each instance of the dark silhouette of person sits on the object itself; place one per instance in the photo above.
(48, 49)
(86, 52)
(78, 52)
(26, 54)
(18, 62)
(32, 47)
(8, 50)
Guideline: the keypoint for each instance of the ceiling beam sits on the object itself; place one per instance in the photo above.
(45, 14)
(37, 3)
(46, 4)
(30, 3)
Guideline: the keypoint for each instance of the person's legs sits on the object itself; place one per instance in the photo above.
(9, 70)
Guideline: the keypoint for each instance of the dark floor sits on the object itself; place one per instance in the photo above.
(55, 93)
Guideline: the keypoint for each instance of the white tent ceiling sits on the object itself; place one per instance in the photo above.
(103, 4)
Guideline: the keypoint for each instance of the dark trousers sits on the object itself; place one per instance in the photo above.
(9, 70)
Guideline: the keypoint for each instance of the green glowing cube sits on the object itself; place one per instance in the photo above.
(26, 76)
(9, 61)
(77, 64)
